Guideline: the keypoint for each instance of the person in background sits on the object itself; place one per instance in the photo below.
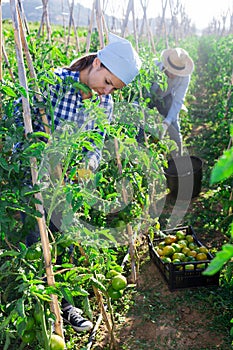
(110, 69)
(178, 67)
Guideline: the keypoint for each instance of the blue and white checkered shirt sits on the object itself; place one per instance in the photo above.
(67, 105)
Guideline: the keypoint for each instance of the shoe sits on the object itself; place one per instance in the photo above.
(72, 316)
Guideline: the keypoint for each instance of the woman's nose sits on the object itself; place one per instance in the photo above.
(108, 89)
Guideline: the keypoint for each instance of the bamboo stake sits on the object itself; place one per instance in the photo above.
(93, 333)
(41, 25)
(90, 28)
(103, 310)
(134, 27)
(34, 173)
(72, 22)
(57, 172)
(105, 317)
(46, 17)
(63, 19)
(71, 7)
(23, 16)
(99, 23)
(128, 226)
(149, 33)
(45, 20)
(75, 34)
(129, 9)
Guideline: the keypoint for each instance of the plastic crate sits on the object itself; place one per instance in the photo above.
(176, 275)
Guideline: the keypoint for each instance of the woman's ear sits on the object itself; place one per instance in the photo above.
(96, 63)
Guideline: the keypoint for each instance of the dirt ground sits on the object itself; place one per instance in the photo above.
(180, 322)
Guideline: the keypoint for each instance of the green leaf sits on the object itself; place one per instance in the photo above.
(221, 258)
(87, 308)
(7, 320)
(98, 284)
(20, 307)
(224, 167)
(4, 164)
(9, 91)
(39, 134)
(23, 91)
(67, 295)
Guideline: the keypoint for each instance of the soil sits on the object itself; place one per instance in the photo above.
(182, 324)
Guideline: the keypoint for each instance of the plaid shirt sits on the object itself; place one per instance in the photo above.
(67, 104)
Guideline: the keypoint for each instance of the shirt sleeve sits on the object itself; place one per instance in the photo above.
(178, 95)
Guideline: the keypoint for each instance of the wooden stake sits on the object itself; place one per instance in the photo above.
(99, 23)
(90, 28)
(105, 317)
(128, 226)
(72, 22)
(45, 20)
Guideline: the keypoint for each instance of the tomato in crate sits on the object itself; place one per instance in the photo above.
(182, 258)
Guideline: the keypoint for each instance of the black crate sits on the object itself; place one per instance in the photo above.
(176, 275)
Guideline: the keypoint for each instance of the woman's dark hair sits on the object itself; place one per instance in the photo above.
(83, 62)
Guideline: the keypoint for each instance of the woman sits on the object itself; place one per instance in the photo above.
(110, 69)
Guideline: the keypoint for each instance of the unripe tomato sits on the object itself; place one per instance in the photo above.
(112, 273)
(33, 253)
(57, 342)
(119, 282)
(28, 336)
(114, 294)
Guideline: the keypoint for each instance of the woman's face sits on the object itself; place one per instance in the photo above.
(101, 80)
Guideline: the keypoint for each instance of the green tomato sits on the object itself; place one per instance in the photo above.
(112, 273)
(33, 253)
(28, 336)
(57, 342)
(119, 282)
(114, 294)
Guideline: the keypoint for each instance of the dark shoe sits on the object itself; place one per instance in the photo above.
(72, 315)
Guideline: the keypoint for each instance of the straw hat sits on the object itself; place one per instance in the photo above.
(177, 61)
(120, 58)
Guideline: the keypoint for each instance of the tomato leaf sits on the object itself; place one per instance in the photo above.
(221, 258)
(9, 91)
(20, 307)
(223, 169)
